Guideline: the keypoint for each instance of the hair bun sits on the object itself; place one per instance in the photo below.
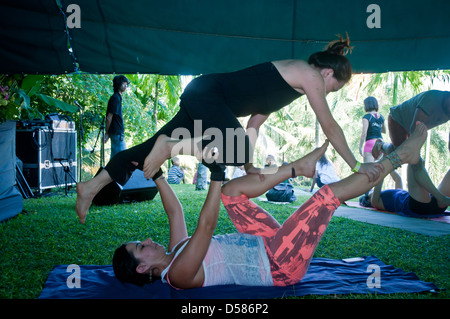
(339, 47)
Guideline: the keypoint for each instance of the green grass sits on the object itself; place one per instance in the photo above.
(48, 233)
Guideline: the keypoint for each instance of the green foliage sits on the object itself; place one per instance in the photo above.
(21, 98)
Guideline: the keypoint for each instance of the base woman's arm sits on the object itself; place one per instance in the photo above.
(186, 270)
(174, 211)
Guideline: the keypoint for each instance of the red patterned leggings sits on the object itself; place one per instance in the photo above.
(290, 247)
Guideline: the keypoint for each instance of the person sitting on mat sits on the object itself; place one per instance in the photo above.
(263, 253)
(214, 102)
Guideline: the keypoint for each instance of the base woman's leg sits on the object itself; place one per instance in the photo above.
(292, 248)
(248, 217)
(408, 152)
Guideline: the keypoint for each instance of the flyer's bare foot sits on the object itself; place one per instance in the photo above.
(157, 156)
(409, 151)
(84, 201)
(306, 166)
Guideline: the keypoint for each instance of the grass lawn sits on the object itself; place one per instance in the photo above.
(48, 233)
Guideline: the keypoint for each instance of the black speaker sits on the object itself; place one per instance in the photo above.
(137, 189)
(48, 156)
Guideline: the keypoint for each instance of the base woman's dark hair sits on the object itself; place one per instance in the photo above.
(124, 265)
(334, 58)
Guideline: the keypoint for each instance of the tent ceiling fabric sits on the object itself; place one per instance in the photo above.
(204, 36)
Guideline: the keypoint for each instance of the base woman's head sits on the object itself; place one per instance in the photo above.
(135, 262)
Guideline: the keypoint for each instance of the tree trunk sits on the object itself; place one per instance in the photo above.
(155, 106)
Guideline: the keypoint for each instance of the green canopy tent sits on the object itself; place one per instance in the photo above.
(204, 36)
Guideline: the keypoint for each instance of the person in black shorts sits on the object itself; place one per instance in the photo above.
(207, 120)
(421, 200)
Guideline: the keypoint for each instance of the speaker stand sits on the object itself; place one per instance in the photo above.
(67, 174)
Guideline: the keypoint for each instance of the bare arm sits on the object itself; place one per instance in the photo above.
(253, 125)
(365, 126)
(174, 211)
(108, 121)
(313, 86)
(187, 271)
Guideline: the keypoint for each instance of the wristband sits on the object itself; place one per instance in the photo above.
(217, 171)
(357, 167)
(158, 174)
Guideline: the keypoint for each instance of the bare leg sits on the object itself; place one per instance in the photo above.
(166, 147)
(418, 176)
(415, 189)
(86, 192)
(252, 186)
(375, 199)
(397, 180)
(357, 184)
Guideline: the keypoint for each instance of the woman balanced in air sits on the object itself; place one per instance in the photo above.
(211, 104)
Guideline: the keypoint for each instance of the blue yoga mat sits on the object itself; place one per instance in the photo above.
(324, 277)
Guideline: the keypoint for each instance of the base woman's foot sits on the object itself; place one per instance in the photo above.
(306, 166)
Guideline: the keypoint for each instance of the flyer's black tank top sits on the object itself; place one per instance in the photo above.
(257, 89)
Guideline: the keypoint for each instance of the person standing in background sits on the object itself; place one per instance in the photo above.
(114, 127)
(372, 127)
